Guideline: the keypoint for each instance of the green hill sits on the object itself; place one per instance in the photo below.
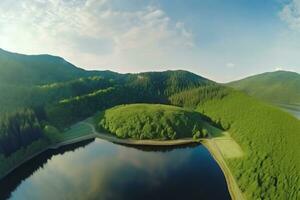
(268, 136)
(36, 80)
(151, 121)
(165, 83)
(35, 69)
(281, 87)
(60, 94)
(149, 87)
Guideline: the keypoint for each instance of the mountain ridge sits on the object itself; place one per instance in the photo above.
(274, 87)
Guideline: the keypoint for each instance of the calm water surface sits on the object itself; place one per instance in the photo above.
(98, 169)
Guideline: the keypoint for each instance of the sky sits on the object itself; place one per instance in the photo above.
(223, 40)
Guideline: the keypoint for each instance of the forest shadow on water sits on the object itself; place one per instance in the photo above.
(21, 173)
(97, 169)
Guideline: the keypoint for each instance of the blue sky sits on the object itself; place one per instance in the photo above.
(221, 39)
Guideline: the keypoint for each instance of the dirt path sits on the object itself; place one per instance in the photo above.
(235, 192)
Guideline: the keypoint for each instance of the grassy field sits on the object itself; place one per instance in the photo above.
(77, 130)
(228, 146)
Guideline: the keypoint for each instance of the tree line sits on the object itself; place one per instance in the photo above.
(18, 130)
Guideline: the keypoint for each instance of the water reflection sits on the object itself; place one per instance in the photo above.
(10, 182)
(102, 170)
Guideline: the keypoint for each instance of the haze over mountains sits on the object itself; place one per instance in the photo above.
(279, 87)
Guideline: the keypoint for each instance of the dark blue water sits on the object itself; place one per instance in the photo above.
(103, 170)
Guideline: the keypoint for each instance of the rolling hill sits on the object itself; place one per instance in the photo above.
(36, 80)
(268, 135)
(57, 94)
(151, 121)
(280, 87)
(22, 69)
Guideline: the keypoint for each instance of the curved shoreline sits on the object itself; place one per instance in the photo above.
(106, 137)
(51, 147)
(116, 140)
(232, 186)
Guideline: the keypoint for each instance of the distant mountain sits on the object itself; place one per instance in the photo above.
(19, 69)
(281, 87)
(35, 69)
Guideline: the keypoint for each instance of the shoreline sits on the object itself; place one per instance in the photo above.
(232, 186)
(51, 147)
(134, 142)
(106, 137)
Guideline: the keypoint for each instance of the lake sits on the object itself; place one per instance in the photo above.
(98, 169)
(293, 109)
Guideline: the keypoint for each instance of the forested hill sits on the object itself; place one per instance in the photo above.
(19, 69)
(43, 95)
(277, 87)
(44, 90)
(39, 80)
(35, 69)
(268, 136)
(167, 82)
(149, 87)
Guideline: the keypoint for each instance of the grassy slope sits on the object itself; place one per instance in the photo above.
(270, 139)
(149, 121)
(276, 87)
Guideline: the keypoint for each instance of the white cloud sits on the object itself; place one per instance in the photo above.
(230, 65)
(91, 32)
(291, 14)
(291, 69)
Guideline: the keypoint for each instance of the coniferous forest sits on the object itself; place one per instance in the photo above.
(35, 112)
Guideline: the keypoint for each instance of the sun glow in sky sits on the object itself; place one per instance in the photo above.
(220, 39)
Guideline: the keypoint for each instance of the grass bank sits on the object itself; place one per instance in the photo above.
(233, 188)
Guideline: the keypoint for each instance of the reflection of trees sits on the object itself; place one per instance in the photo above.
(149, 148)
(13, 180)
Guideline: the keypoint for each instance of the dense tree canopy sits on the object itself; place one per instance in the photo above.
(59, 94)
(18, 130)
(269, 137)
(151, 121)
(192, 98)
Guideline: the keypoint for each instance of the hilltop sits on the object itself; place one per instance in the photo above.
(280, 87)
(151, 121)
